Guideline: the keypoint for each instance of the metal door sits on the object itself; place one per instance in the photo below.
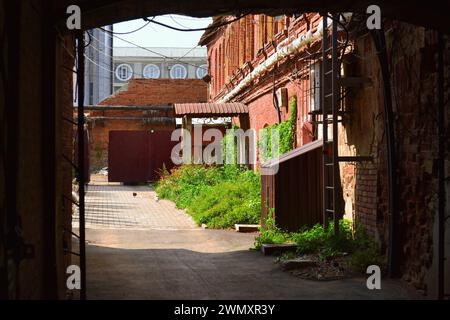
(138, 156)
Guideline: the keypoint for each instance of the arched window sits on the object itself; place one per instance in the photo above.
(124, 72)
(202, 71)
(152, 71)
(216, 72)
(178, 71)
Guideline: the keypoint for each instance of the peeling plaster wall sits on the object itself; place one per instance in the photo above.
(413, 62)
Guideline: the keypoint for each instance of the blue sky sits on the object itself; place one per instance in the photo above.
(157, 36)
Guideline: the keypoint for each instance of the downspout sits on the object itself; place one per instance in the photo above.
(380, 44)
(275, 99)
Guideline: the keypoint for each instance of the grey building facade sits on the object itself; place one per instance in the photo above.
(98, 77)
(158, 63)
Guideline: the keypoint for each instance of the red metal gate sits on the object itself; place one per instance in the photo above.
(138, 156)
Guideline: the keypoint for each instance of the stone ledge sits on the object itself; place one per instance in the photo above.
(246, 227)
(270, 249)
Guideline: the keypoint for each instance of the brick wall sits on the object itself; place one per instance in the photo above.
(412, 58)
(413, 54)
(141, 92)
(138, 92)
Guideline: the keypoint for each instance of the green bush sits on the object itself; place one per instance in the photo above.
(316, 240)
(270, 233)
(219, 196)
(325, 242)
(366, 252)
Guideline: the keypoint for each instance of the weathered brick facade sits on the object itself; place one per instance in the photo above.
(412, 60)
(138, 92)
(143, 92)
(37, 54)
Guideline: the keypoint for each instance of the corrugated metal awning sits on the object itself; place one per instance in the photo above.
(210, 109)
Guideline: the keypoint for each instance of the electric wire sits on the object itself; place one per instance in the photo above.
(211, 27)
(127, 32)
(157, 53)
(120, 60)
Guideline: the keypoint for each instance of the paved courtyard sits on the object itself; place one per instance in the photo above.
(131, 207)
(141, 248)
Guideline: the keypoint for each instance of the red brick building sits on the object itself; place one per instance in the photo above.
(258, 55)
(37, 99)
(143, 104)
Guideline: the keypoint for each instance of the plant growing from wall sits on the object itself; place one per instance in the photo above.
(286, 132)
(270, 233)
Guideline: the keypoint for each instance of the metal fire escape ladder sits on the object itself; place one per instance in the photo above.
(330, 117)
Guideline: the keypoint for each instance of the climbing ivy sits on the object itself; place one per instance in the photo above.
(286, 133)
(230, 140)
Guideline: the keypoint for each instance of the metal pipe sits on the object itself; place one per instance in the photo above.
(81, 177)
(380, 44)
(292, 48)
(441, 168)
(155, 120)
(120, 107)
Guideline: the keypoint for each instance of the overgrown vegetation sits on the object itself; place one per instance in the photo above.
(356, 242)
(230, 141)
(218, 196)
(285, 131)
(270, 233)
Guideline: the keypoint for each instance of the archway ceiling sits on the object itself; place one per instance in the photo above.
(103, 12)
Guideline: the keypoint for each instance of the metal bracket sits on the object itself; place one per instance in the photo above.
(354, 81)
(355, 158)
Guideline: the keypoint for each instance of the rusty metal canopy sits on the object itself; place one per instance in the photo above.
(210, 109)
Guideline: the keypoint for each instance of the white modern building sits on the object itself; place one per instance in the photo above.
(98, 78)
(158, 63)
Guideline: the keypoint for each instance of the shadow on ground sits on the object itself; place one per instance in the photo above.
(207, 270)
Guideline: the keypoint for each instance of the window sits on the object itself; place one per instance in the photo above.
(152, 71)
(202, 71)
(178, 71)
(278, 24)
(124, 72)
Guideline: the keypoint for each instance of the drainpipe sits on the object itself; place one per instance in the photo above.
(380, 44)
(275, 99)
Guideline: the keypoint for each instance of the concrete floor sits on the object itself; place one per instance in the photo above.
(204, 264)
(148, 262)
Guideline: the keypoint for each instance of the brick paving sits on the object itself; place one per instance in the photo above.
(131, 207)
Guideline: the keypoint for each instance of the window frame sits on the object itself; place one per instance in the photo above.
(130, 70)
(150, 65)
(203, 68)
(172, 68)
